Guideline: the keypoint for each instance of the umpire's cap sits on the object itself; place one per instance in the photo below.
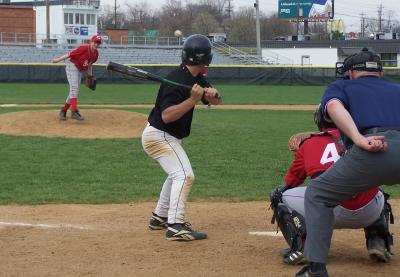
(365, 60)
(197, 50)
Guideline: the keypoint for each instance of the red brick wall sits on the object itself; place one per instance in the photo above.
(17, 19)
(115, 35)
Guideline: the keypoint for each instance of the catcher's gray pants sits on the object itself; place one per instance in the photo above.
(169, 153)
(344, 218)
(355, 172)
(74, 77)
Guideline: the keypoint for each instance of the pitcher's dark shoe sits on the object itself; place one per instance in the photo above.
(183, 232)
(377, 249)
(158, 222)
(77, 116)
(63, 114)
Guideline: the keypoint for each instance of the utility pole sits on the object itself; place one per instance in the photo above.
(256, 5)
(380, 13)
(362, 25)
(115, 14)
(229, 9)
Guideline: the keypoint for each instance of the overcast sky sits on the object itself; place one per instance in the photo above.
(348, 10)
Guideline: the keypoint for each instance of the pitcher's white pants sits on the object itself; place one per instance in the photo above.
(168, 152)
(74, 77)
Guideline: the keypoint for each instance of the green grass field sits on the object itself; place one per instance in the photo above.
(236, 155)
(22, 93)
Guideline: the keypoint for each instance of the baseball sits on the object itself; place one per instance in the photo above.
(178, 33)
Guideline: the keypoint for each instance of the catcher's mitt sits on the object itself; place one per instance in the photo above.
(90, 82)
(296, 140)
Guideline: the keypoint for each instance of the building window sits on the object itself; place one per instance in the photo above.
(68, 18)
(91, 19)
(80, 18)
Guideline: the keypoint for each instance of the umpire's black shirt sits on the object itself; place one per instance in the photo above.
(169, 95)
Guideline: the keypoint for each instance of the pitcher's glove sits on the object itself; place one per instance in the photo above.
(90, 82)
(296, 140)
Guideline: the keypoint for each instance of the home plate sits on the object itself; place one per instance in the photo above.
(268, 234)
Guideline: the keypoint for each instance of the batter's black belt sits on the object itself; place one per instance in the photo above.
(375, 130)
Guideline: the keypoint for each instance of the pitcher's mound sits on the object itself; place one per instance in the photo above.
(97, 124)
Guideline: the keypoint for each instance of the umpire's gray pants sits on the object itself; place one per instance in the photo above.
(355, 172)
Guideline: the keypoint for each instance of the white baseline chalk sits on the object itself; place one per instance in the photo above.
(268, 234)
(44, 226)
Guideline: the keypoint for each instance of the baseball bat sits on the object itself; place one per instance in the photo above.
(144, 75)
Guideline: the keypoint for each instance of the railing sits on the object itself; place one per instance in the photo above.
(246, 58)
(94, 3)
(127, 41)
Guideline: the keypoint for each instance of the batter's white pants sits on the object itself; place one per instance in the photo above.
(74, 77)
(168, 152)
(344, 218)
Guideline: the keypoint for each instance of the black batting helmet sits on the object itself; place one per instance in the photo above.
(321, 121)
(197, 50)
(365, 60)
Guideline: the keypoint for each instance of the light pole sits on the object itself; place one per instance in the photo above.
(256, 5)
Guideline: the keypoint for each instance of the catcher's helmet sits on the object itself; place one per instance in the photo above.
(365, 60)
(321, 121)
(197, 50)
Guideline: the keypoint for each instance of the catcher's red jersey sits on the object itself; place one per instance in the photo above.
(316, 155)
(82, 57)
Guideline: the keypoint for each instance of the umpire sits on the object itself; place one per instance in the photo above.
(366, 110)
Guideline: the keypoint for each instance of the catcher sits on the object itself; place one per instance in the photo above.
(368, 210)
(80, 60)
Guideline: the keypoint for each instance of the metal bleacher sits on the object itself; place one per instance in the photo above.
(145, 55)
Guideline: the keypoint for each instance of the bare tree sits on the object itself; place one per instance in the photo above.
(205, 23)
(242, 26)
(173, 17)
(273, 26)
(140, 17)
(107, 19)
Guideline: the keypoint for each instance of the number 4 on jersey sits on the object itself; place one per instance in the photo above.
(330, 154)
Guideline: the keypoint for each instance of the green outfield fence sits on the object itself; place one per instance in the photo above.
(263, 75)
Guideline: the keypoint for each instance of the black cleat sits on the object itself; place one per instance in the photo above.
(77, 116)
(306, 272)
(377, 249)
(63, 114)
(294, 257)
(183, 232)
(158, 222)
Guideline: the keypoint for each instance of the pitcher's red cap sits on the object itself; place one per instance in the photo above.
(96, 38)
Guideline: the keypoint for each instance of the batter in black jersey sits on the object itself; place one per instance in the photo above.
(169, 122)
(169, 95)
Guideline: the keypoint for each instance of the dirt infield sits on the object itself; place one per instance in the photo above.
(113, 240)
(101, 124)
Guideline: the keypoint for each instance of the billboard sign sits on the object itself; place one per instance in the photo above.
(314, 9)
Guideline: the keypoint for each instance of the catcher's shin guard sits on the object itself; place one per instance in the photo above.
(292, 226)
(378, 238)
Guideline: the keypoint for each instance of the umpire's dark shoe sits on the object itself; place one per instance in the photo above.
(63, 114)
(377, 249)
(158, 222)
(306, 272)
(183, 232)
(77, 116)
